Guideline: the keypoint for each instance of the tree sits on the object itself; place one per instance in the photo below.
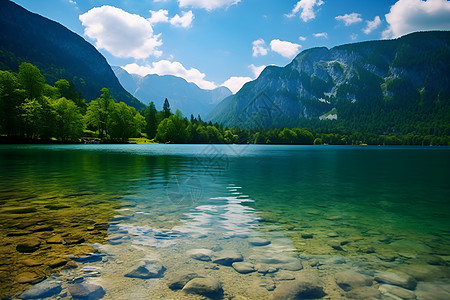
(67, 90)
(125, 122)
(99, 113)
(173, 130)
(10, 99)
(31, 116)
(31, 80)
(166, 108)
(69, 121)
(151, 120)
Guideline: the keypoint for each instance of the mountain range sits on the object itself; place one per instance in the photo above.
(58, 52)
(371, 85)
(183, 95)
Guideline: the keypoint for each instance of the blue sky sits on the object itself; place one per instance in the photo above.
(228, 42)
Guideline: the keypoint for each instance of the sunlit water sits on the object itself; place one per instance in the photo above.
(321, 210)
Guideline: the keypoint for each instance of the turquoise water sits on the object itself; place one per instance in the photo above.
(328, 209)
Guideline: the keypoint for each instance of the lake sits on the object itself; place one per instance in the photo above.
(224, 221)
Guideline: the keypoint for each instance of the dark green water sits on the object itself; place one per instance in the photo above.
(387, 207)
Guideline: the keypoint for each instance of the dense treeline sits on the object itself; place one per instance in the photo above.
(32, 110)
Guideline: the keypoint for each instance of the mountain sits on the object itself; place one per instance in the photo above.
(375, 86)
(57, 52)
(187, 97)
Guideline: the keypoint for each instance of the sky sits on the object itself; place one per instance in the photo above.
(229, 42)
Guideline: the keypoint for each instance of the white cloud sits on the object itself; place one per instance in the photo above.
(353, 36)
(256, 70)
(307, 9)
(160, 16)
(284, 48)
(321, 35)
(207, 4)
(234, 84)
(302, 38)
(350, 19)
(372, 25)
(165, 67)
(408, 16)
(121, 33)
(184, 21)
(259, 48)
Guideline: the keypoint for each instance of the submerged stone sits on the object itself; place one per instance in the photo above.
(28, 246)
(29, 277)
(243, 267)
(179, 281)
(200, 254)
(258, 241)
(44, 289)
(298, 289)
(17, 210)
(146, 270)
(349, 280)
(227, 257)
(396, 291)
(400, 279)
(207, 286)
(86, 290)
(366, 293)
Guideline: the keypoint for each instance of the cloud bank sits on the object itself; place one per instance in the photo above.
(408, 16)
(120, 33)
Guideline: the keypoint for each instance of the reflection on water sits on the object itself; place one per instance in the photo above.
(343, 223)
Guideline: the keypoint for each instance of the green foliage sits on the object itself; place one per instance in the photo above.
(31, 80)
(69, 123)
(166, 108)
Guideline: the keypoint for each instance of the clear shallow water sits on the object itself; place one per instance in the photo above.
(325, 209)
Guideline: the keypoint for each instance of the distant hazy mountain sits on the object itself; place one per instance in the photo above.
(371, 85)
(187, 97)
(57, 52)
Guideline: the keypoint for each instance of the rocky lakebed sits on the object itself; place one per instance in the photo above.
(222, 249)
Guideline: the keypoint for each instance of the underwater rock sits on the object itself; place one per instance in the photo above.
(86, 290)
(57, 263)
(180, 280)
(200, 254)
(265, 268)
(206, 286)
(243, 267)
(17, 210)
(147, 269)
(396, 291)
(366, 293)
(432, 291)
(42, 290)
(349, 280)
(304, 288)
(29, 262)
(29, 277)
(258, 241)
(28, 246)
(227, 257)
(400, 279)
(56, 239)
(307, 235)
